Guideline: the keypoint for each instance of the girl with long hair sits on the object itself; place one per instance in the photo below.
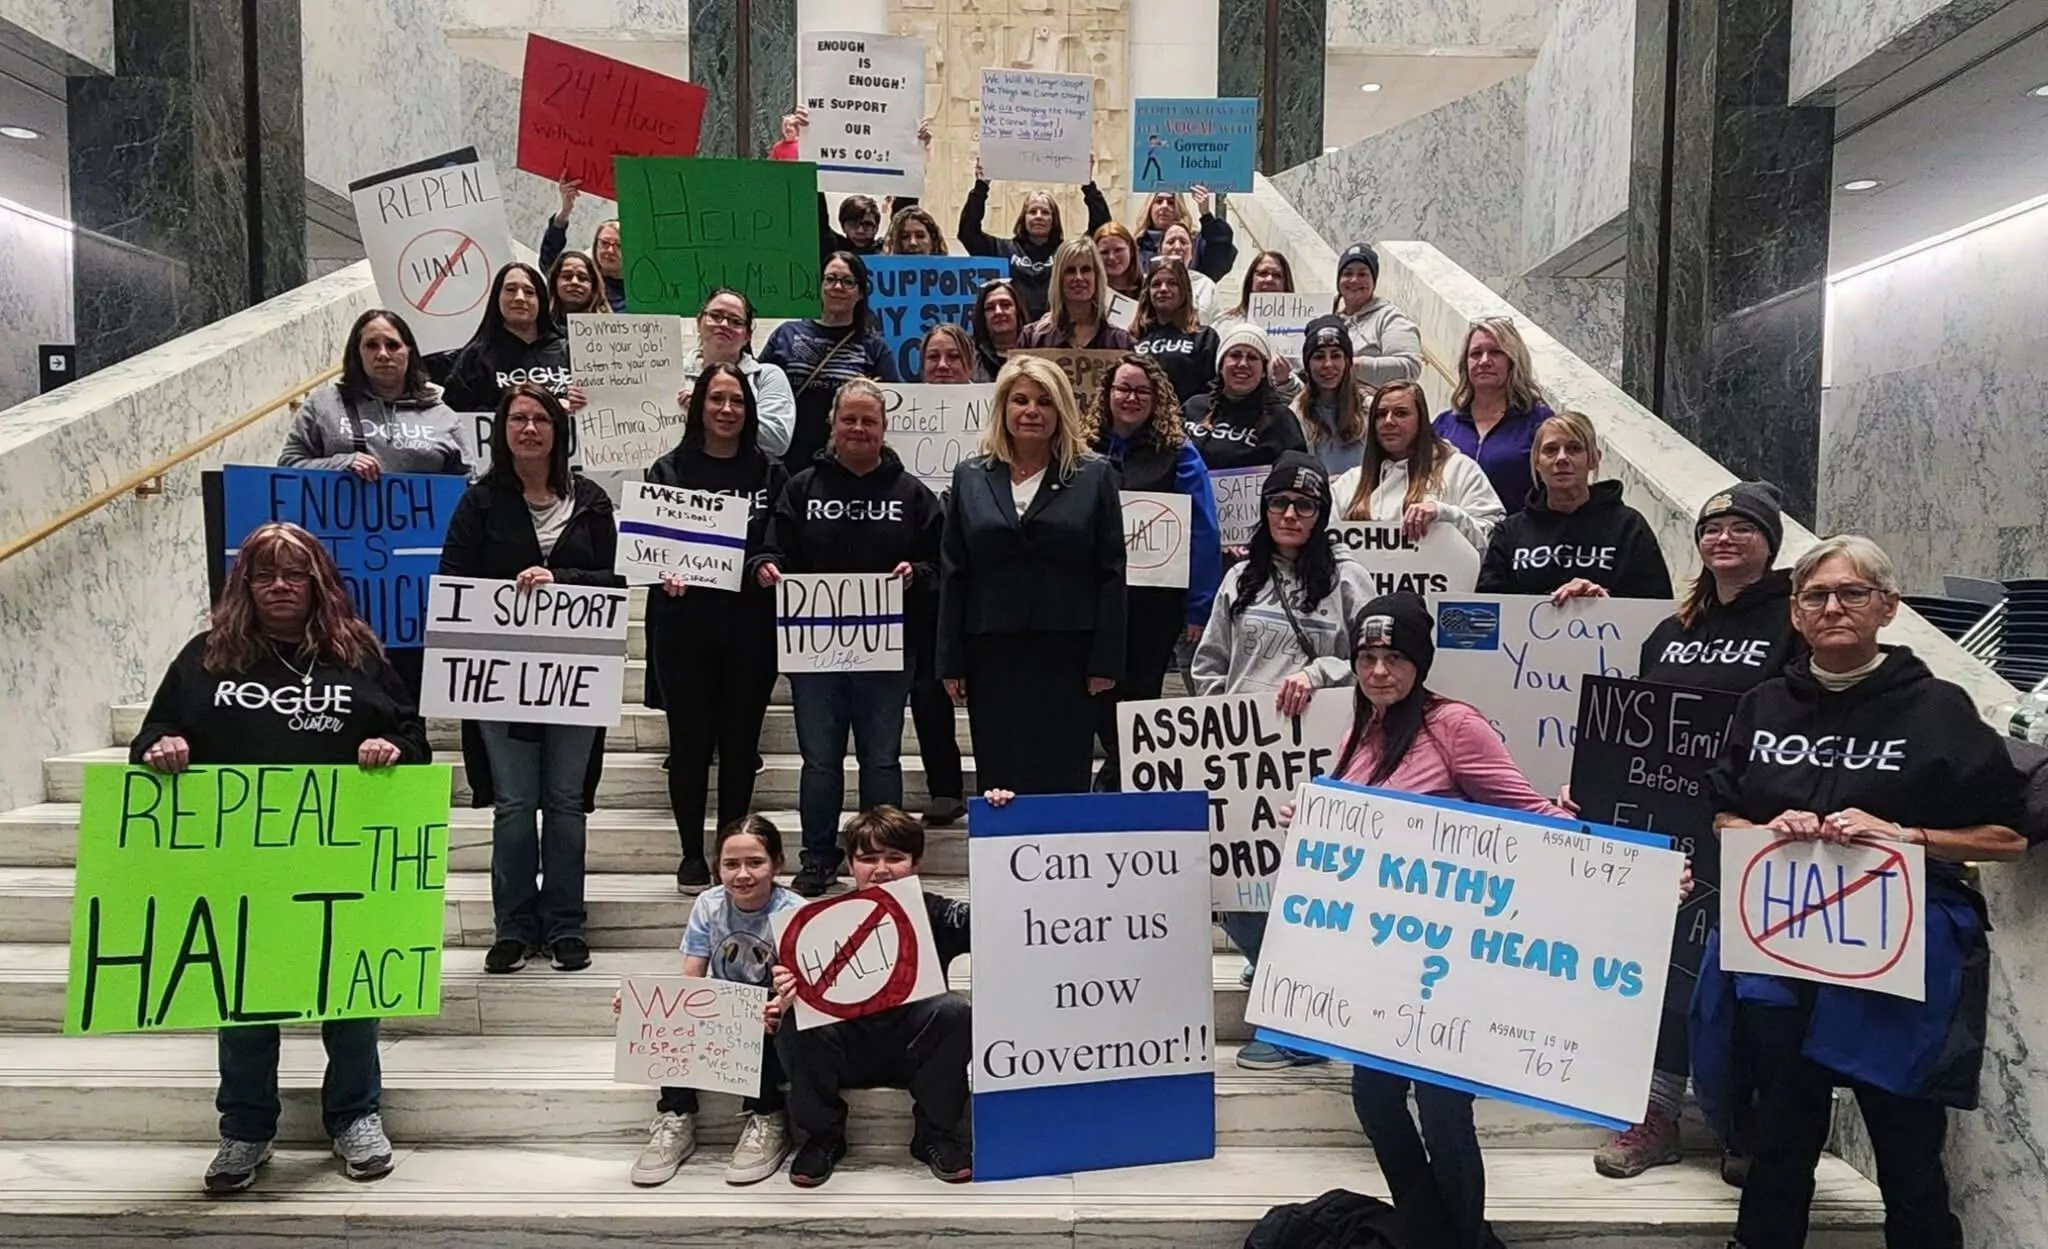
(914, 232)
(1497, 408)
(821, 354)
(1034, 238)
(1078, 316)
(1168, 331)
(1213, 251)
(997, 321)
(573, 286)
(1410, 474)
(1120, 259)
(517, 341)
(1330, 405)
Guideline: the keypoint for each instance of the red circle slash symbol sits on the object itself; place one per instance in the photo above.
(443, 273)
(1152, 534)
(1887, 864)
(894, 990)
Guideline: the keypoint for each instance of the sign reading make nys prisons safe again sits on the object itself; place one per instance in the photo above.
(691, 224)
(220, 896)
(553, 654)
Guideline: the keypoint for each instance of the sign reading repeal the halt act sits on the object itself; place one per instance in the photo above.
(693, 535)
(1851, 915)
(690, 1032)
(1509, 955)
(577, 110)
(933, 428)
(1158, 529)
(859, 953)
(865, 95)
(220, 896)
(911, 294)
(1037, 127)
(554, 654)
(689, 225)
(1439, 562)
(627, 365)
(839, 622)
(435, 235)
(1180, 144)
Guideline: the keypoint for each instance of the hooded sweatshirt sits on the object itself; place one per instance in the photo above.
(1731, 646)
(1386, 346)
(1258, 649)
(830, 519)
(1464, 498)
(1605, 541)
(1338, 457)
(410, 434)
(1030, 263)
(486, 368)
(1188, 356)
(1243, 432)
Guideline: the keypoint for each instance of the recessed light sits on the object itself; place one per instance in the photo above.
(1329, 151)
(1861, 184)
(2041, 90)
(1368, 87)
(19, 132)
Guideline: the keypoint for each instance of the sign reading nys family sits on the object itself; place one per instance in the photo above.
(627, 365)
(1158, 528)
(1239, 510)
(1507, 954)
(1248, 759)
(933, 428)
(839, 622)
(689, 225)
(577, 110)
(1852, 915)
(553, 654)
(865, 95)
(911, 294)
(435, 235)
(1285, 317)
(1438, 562)
(220, 896)
(696, 536)
(1180, 144)
(690, 1032)
(860, 953)
(1037, 127)
(1521, 661)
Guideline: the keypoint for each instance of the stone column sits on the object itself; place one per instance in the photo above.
(770, 31)
(1287, 79)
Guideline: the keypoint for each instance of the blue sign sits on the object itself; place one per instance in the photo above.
(1180, 144)
(385, 535)
(1468, 626)
(911, 294)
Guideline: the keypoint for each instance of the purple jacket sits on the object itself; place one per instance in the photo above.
(1503, 454)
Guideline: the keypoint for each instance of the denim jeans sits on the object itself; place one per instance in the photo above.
(1438, 1178)
(1246, 930)
(827, 705)
(247, 1098)
(538, 830)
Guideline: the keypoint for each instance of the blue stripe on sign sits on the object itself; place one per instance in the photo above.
(1131, 1123)
(652, 530)
(1029, 815)
(798, 622)
(859, 169)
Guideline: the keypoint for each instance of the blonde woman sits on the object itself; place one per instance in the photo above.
(1214, 248)
(1031, 587)
(1496, 409)
(1576, 538)
(1411, 475)
(1078, 317)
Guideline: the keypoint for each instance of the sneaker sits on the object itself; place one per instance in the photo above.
(1266, 1056)
(693, 876)
(813, 1163)
(943, 811)
(1734, 1169)
(812, 881)
(1651, 1143)
(364, 1150)
(764, 1143)
(1246, 976)
(950, 1160)
(506, 956)
(234, 1165)
(670, 1140)
(569, 954)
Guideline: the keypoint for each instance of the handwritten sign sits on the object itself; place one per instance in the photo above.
(1439, 562)
(911, 294)
(1084, 368)
(629, 365)
(1847, 915)
(1509, 955)
(1180, 144)
(1285, 317)
(1158, 531)
(690, 1032)
(689, 225)
(577, 110)
(1123, 310)
(1037, 127)
(859, 953)
(865, 96)
(435, 236)
(933, 428)
(839, 622)
(695, 536)
(1239, 509)
(246, 895)
(554, 654)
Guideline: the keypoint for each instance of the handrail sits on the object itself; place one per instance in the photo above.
(137, 482)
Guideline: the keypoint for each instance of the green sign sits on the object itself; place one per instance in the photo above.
(265, 894)
(691, 224)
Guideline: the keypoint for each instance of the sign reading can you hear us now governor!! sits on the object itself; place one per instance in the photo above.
(690, 225)
(435, 236)
(554, 654)
(577, 110)
(864, 94)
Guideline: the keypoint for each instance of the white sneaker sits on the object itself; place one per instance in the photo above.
(764, 1143)
(234, 1165)
(364, 1150)
(672, 1139)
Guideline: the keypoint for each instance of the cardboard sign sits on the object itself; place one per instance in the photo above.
(554, 654)
(694, 535)
(1248, 758)
(1084, 368)
(1177, 145)
(1239, 509)
(1158, 535)
(1037, 127)
(911, 294)
(577, 110)
(1521, 661)
(839, 622)
(246, 895)
(859, 953)
(1123, 311)
(1845, 915)
(690, 1032)
(689, 225)
(629, 366)
(1439, 562)
(1285, 318)
(1092, 983)
(933, 428)
(865, 96)
(1509, 955)
(435, 235)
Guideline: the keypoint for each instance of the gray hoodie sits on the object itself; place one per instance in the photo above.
(411, 435)
(1386, 346)
(1258, 649)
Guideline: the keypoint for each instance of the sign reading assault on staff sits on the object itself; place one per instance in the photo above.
(1438, 562)
(435, 234)
(1037, 127)
(911, 294)
(1852, 915)
(577, 110)
(691, 224)
(933, 428)
(627, 364)
(839, 622)
(1181, 144)
(690, 1032)
(554, 654)
(865, 95)
(220, 896)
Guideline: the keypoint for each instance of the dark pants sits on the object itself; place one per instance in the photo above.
(714, 691)
(828, 704)
(1028, 706)
(1158, 619)
(247, 1099)
(538, 829)
(921, 1046)
(1246, 930)
(1794, 1115)
(931, 710)
(1438, 1178)
(769, 1101)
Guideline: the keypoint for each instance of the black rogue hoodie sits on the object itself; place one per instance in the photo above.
(1246, 432)
(828, 519)
(1605, 541)
(495, 362)
(1729, 646)
(1030, 263)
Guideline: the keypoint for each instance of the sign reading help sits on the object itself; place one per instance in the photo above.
(1439, 562)
(628, 365)
(691, 1032)
(246, 895)
(911, 294)
(1158, 528)
(435, 236)
(865, 94)
(1285, 318)
(555, 654)
(1037, 127)
(1180, 144)
(933, 428)
(1239, 510)
(1510, 955)
(689, 225)
(859, 953)
(1848, 915)
(577, 110)
(839, 622)
(696, 536)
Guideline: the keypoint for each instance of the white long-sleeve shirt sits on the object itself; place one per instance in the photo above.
(1465, 500)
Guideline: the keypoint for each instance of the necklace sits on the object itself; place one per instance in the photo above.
(305, 674)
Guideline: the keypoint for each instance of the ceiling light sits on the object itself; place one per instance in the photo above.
(19, 132)
(2041, 90)
(1861, 184)
(1368, 87)
(1328, 151)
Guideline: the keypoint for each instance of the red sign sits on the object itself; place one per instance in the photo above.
(577, 110)
(893, 991)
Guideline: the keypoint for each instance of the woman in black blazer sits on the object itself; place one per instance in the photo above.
(532, 521)
(1031, 587)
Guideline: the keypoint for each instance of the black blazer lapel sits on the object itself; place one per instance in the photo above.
(1049, 489)
(998, 479)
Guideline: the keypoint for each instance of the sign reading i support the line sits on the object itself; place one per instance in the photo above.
(554, 654)
(694, 535)
(839, 622)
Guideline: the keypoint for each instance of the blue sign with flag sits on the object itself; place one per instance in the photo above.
(911, 294)
(1177, 145)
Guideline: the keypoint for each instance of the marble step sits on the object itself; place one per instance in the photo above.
(55, 1195)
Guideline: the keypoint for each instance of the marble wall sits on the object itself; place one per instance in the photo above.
(82, 30)
(1298, 94)
(1441, 23)
(35, 297)
(382, 87)
(1841, 46)
(1577, 149)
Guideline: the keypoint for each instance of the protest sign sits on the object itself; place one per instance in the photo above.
(554, 654)
(1123, 311)
(630, 366)
(1037, 127)
(1084, 368)
(1248, 759)
(1509, 955)
(689, 225)
(697, 536)
(911, 294)
(1521, 661)
(1181, 144)
(385, 535)
(1092, 983)
(1847, 915)
(1158, 533)
(860, 953)
(839, 622)
(933, 428)
(221, 895)
(1285, 318)
(1239, 510)
(435, 236)
(690, 1032)
(577, 110)
(1438, 562)
(865, 96)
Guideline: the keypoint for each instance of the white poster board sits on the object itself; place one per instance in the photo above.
(1285, 317)
(1123, 310)
(435, 235)
(1239, 510)
(859, 953)
(1519, 659)
(1514, 955)
(865, 96)
(933, 428)
(1847, 915)
(1249, 758)
(1439, 562)
(1037, 127)
(1158, 534)
(690, 1032)
(630, 366)
(695, 535)
(839, 622)
(554, 654)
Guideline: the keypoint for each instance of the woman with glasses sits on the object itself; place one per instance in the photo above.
(1576, 538)
(820, 355)
(725, 335)
(1496, 408)
(1078, 316)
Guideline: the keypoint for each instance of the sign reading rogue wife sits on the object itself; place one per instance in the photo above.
(554, 654)
(839, 622)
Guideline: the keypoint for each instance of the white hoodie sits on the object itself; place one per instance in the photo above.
(1466, 498)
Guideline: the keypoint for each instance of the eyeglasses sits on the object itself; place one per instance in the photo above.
(280, 576)
(518, 419)
(1851, 597)
(840, 280)
(1131, 392)
(727, 319)
(1735, 529)
(1281, 505)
